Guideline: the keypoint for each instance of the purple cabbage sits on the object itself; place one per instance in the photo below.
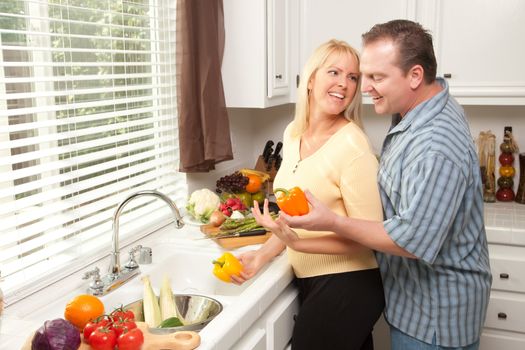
(57, 334)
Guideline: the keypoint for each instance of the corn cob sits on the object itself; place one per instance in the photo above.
(151, 305)
(167, 302)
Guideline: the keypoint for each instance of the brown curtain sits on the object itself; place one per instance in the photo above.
(204, 130)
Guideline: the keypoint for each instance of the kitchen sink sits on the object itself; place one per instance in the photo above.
(189, 272)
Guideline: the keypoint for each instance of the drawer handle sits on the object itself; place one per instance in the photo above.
(447, 75)
(502, 315)
(504, 276)
(279, 76)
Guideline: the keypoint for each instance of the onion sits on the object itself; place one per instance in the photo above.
(217, 218)
(57, 334)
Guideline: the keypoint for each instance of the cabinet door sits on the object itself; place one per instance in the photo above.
(346, 20)
(491, 340)
(479, 48)
(280, 319)
(278, 47)
(254, 339)
(257, 53)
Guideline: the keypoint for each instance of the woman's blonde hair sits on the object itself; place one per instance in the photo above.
(317, 60)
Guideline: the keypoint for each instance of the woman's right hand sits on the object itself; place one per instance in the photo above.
(252, 261)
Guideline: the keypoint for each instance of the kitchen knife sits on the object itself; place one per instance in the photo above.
(258, 232)
(274, 156)
(267, 151)
(278, 161)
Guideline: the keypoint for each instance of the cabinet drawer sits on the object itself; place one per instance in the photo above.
(510, 341)
(280, 319)
(508, 274)
(506, 312)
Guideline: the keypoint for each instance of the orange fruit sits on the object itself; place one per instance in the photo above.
(82, 309)
(254, 184)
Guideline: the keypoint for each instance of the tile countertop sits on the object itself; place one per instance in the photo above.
(505, 223)
(26, 316)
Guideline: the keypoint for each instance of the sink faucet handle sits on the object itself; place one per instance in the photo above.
(132, 263)
(96, 286)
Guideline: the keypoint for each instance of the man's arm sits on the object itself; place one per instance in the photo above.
(370, 234)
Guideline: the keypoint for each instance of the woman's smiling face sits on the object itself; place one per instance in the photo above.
(333, 86)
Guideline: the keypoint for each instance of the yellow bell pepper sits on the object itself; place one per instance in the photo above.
(226, 266)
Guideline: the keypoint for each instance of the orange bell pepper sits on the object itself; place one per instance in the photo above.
(293, 201)
(226, 266)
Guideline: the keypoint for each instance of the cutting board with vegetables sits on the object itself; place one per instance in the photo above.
(234, 242)
(183, 340)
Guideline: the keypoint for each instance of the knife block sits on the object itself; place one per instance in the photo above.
(262, 166)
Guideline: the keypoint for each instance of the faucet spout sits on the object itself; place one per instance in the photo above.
(114, 267)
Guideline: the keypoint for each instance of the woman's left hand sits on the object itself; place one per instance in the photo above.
(278, 227)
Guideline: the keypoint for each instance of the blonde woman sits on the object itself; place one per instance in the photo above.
(326, 151)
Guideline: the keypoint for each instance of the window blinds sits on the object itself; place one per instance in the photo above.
(87, 116)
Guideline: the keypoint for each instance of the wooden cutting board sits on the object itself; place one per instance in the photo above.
(183, 340)
(236, 242)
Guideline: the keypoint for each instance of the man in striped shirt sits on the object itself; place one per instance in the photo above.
(431, 246)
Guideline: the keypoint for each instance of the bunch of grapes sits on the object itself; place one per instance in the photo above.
(233, 183)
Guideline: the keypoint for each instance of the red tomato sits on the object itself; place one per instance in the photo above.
(92, 325)
(131, 340)
(122, 325)
(103, 338)
(120, 313)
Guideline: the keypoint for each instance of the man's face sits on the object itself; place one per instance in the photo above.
(383, 80)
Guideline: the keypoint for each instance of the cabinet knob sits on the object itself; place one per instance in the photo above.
(447, 75)
(279, 76)
(504, 275)
(502, 315)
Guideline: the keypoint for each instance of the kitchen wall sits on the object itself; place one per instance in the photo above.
(251, 128)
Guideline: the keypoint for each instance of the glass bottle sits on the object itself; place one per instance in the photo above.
(505, 192)
(487, 162)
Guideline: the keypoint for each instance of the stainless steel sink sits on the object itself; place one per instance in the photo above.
(194, 311)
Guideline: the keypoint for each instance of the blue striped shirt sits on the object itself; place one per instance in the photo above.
(431, 193)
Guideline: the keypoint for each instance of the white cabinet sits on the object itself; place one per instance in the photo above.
(505, 322)
(260, 58)
(346, 20)
(273, 330)
(478, 44)
(479, 48)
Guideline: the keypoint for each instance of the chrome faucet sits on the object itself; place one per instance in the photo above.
(118, 275)
(114, 265)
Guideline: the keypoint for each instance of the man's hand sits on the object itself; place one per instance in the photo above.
(319, 218)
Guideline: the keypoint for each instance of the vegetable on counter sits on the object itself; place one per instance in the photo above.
(151, 306)
(293, 201)
(217, 218)
(226, 266)
(167, 302)
(202, 203)
(57, 334)
(230, 205)
(103, 338)
(131, 340)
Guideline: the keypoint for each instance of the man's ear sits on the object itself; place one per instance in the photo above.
(416, 75)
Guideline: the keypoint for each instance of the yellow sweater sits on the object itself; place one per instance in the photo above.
(342, 174)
